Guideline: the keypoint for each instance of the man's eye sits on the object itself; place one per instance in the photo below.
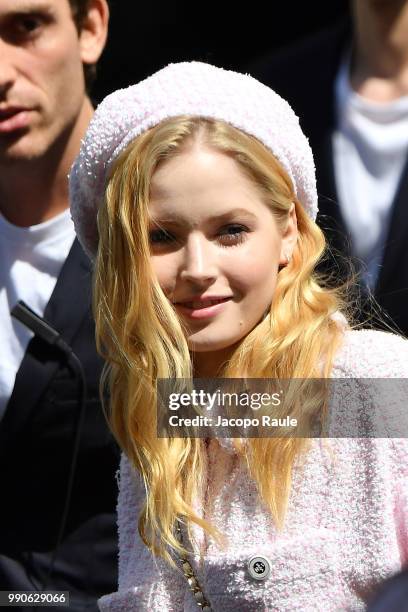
(30, 24)
(233, 233)
(27, 25)
(160, 236)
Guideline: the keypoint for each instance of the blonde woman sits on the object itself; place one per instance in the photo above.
(194, 193)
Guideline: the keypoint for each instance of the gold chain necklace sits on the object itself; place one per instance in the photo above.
(191, 578)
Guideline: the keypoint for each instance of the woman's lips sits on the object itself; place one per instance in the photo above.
(202, 309)
(13, 119)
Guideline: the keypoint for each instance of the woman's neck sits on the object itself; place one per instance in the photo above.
(210, 364)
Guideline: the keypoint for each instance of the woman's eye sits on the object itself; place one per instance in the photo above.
(160, 236)
(233, 234)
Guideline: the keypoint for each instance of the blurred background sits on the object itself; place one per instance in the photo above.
(145, 36)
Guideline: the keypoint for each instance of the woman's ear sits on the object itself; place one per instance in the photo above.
(289, 237)
(94, 31)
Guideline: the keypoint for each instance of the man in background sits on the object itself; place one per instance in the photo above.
(50, 537)
(349, 86)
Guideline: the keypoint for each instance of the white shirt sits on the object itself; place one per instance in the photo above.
(370, 147)
(31, 259)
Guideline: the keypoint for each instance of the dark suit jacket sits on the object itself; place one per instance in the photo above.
(304, 75)
(392, 595)
(36, 440)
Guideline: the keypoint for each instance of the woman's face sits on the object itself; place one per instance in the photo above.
(216, 248)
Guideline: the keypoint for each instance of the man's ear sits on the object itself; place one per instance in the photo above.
(94, 32)
(289, 237)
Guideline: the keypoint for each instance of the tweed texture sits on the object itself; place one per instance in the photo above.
(187, 88)
(346, 529)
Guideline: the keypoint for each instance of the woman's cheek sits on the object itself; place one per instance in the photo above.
(165, 272)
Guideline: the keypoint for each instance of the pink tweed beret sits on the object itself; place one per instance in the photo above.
(187, 88)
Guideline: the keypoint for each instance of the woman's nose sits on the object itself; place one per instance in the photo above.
(199, 260)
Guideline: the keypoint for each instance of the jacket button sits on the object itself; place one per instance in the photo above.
(259, 567)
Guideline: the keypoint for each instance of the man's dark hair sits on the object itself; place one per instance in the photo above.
(79, 9)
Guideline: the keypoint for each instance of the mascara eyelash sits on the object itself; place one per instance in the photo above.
(234, 239)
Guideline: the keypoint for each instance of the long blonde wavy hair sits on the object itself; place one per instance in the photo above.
(139, 333)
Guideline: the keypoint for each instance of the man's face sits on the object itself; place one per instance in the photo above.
(42, 86)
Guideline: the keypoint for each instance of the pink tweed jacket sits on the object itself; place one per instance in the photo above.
(346, 528)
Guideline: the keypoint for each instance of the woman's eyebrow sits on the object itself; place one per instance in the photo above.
(223, 216)
(235, 212)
